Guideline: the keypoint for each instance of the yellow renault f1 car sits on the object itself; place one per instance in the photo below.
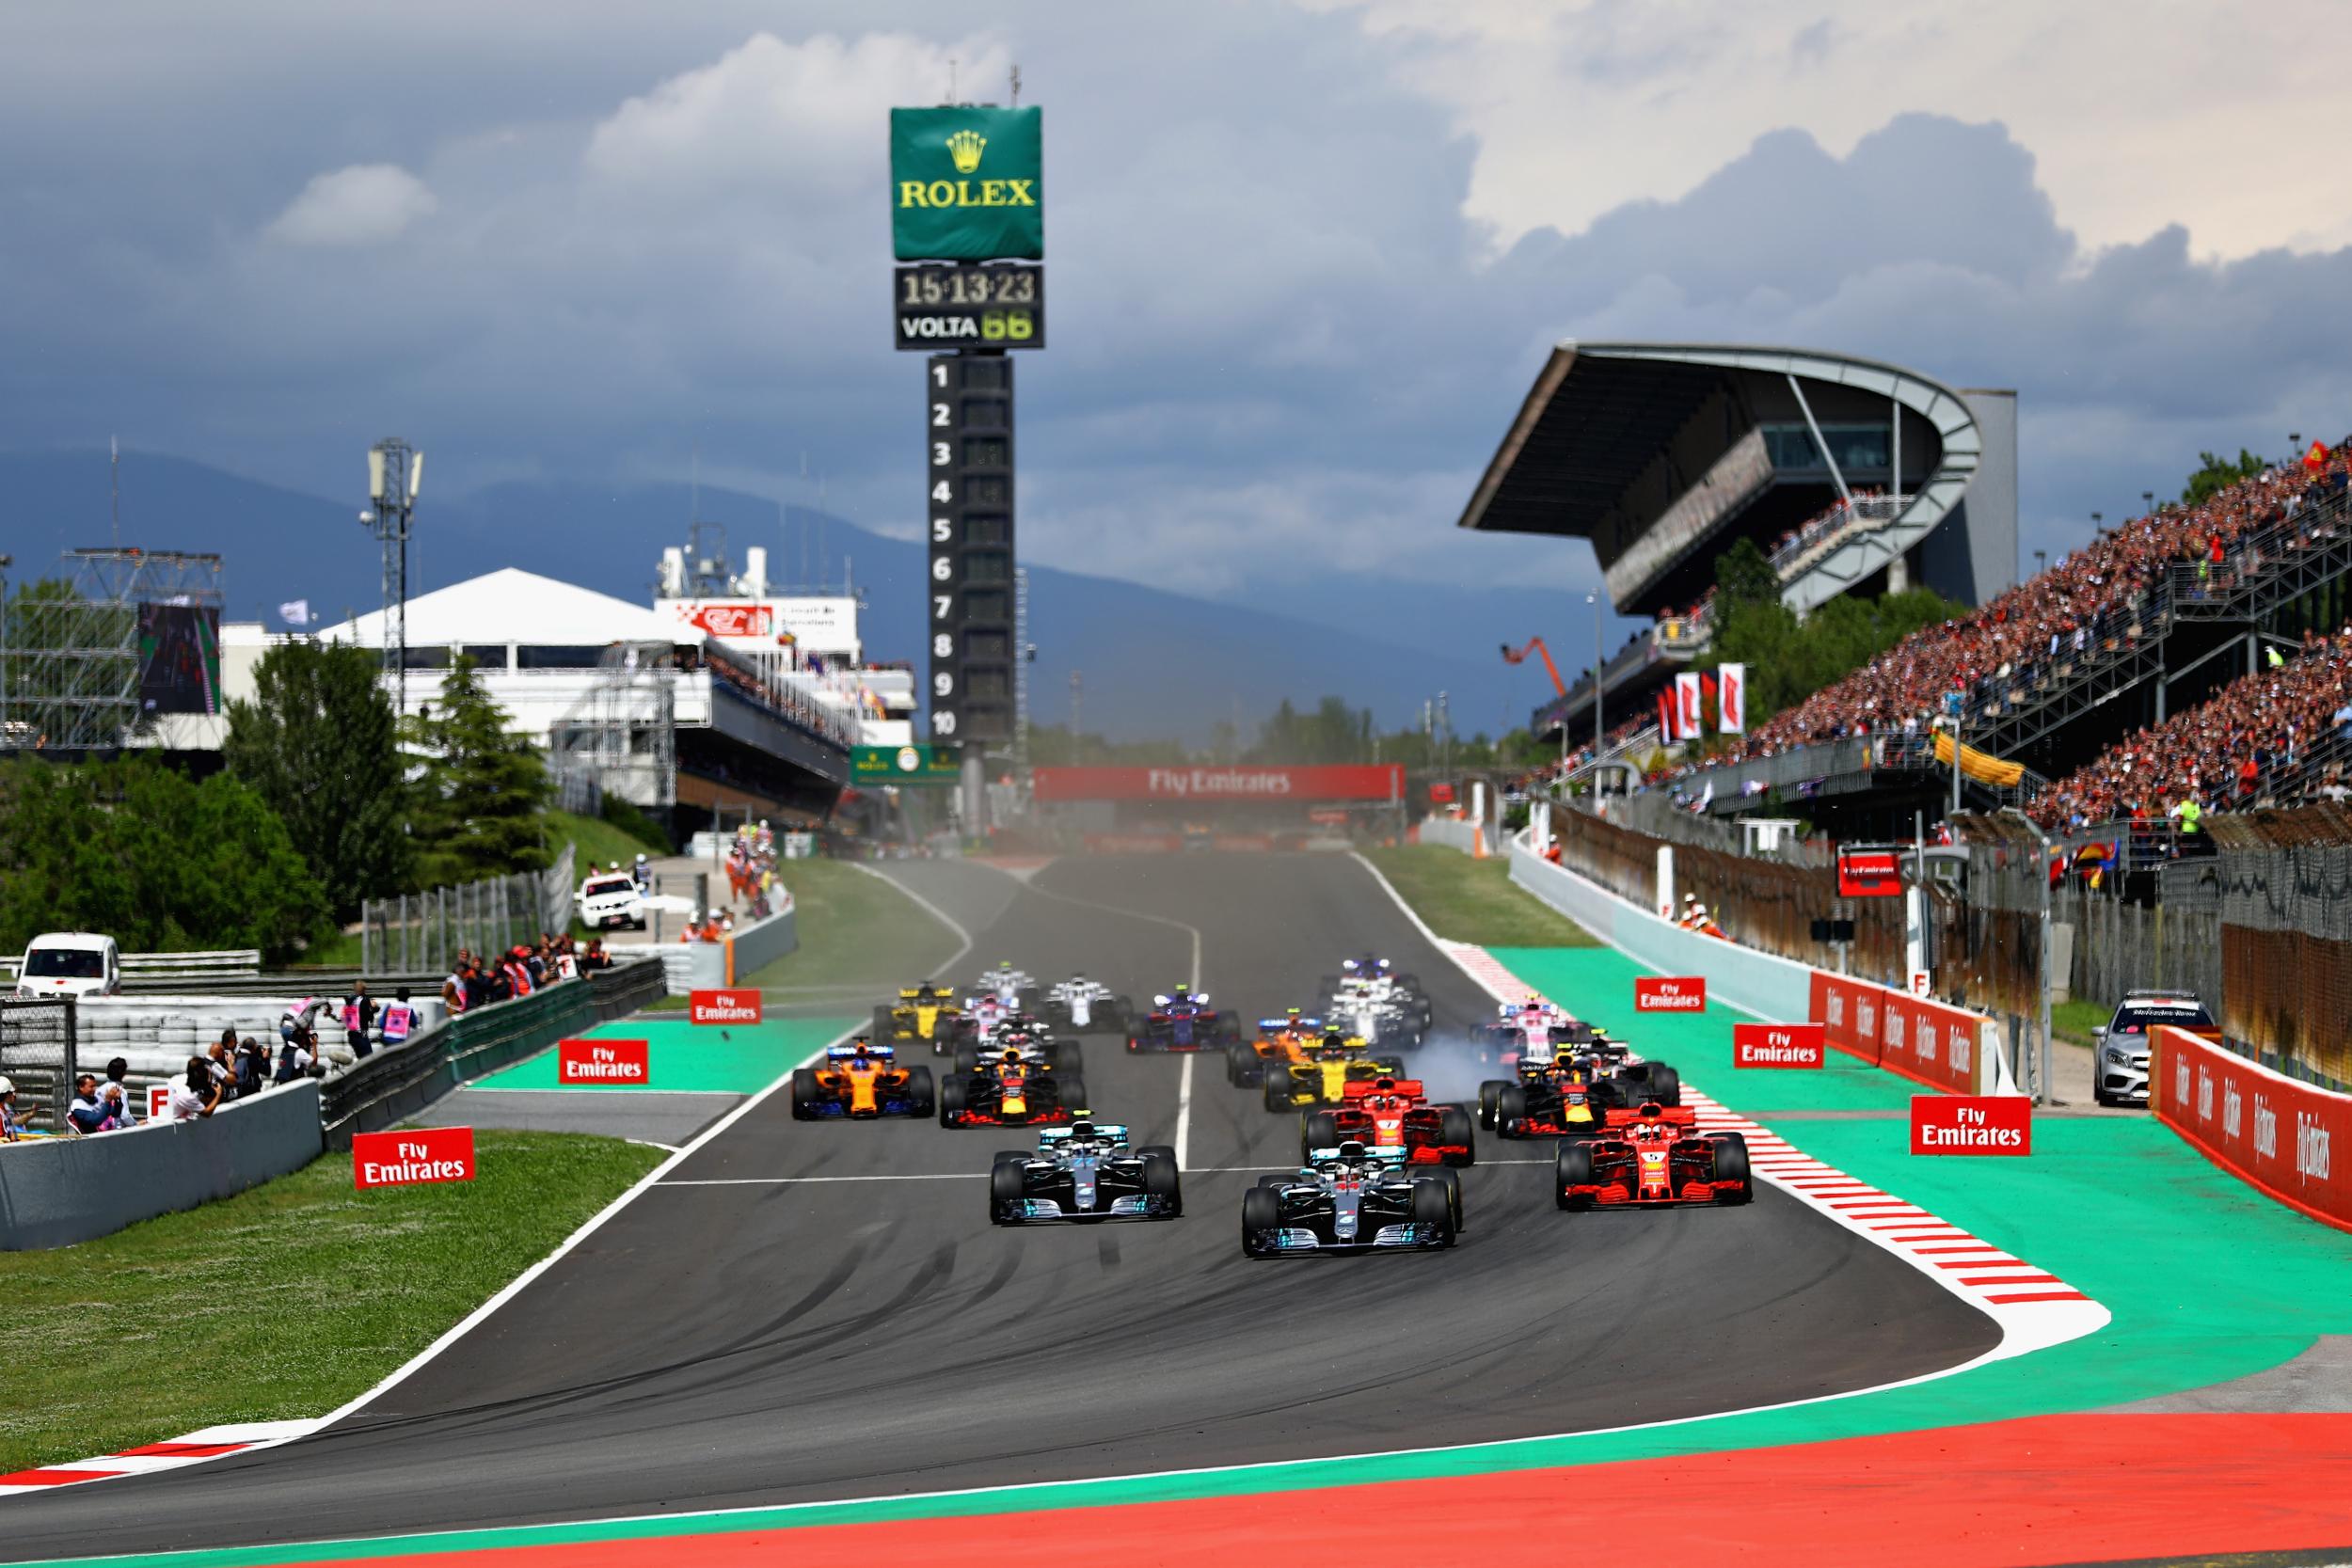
(926, 1014)
(1321, 1078)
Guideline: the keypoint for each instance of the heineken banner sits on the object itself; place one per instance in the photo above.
(966, 184)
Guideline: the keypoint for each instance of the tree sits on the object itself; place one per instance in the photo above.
(478, 805)
(152, 859)
(319, 745)
(2216, 474)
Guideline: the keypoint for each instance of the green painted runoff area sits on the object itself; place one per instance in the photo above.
(2207, 1281)
(730, 1058)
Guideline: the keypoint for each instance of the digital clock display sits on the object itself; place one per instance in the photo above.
(935, 305)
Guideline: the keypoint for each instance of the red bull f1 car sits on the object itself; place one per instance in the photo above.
(1651, 1157)
(1011, 1092)
(1393, 1112)
(860, 1081)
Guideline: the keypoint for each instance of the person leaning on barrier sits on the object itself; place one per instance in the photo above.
(252, 1066)
(86, 1113)
(119, 1081)
(197, 1093)
(359, 1013)
(399, 1019)
(11, 1119)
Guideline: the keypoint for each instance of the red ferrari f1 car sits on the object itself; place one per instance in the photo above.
(1653, 1156)
(1392, 1113)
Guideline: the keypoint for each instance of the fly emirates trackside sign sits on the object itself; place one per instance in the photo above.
(1670, 994)
(601, 1064)
(1788, 1045)
(1209, 785)
(411, 1157)
(1971, 1124)
(724, 1006)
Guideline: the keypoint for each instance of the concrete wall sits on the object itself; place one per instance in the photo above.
(156, 1035)
(1453, 832)
(1763, 984)
(755, 946)
(60, 1191)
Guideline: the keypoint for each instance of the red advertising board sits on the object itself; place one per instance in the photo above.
(603, 1063)
(411, 1157)
(1971, 1124)
(2262, 1127)
(1216, 785)
(740, 1005)
(1870, 871)
(1441, 793)
(1925, 1041)
(733, 620)
(1670, 994)
(1778, 1045)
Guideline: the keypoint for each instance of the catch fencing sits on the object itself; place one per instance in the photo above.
(38, 1056)
(423, 931)
(2286, 938)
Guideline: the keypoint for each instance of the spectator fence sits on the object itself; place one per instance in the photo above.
(38, 1056)
(423, 931)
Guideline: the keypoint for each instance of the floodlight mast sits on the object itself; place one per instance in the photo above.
(395, 473)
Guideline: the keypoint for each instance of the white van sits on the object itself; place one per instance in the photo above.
(610, 900)
(69, 963)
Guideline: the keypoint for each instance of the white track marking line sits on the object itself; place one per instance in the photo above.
(927, 908)
(1183, 1113)
(810, 1181)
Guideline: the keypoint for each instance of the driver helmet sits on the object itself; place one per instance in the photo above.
(1333, 1045)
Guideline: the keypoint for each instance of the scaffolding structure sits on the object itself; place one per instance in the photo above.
(70, 657)
(622, 736)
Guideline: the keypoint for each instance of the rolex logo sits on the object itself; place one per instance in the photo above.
(965, 148)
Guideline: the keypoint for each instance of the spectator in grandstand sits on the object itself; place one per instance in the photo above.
(86, 1113)
(197, 1093)
(119, 1084)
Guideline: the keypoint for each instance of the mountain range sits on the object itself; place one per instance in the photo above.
(1153, 663)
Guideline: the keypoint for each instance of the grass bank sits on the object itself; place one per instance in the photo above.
(859, 934)
(1471, 900)
(282, 1301)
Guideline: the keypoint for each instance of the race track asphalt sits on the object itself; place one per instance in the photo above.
(766, 1326)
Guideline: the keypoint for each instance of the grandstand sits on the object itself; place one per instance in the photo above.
(2112, 642)
(1852, 475)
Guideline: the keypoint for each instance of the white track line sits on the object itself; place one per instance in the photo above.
(810, 1181)
(927, 908)
(1183, 1113)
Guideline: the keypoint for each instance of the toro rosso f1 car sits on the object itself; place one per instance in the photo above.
(1010, 1092)
(860, 1081)
(1393, 1112)
(1350, 1199)
(1183, 1022)
(1084, 1171)
(1653, 1156)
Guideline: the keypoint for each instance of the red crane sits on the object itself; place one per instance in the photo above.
(1536, 645)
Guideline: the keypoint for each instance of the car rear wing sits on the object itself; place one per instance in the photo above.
(1358, 1089)
(1672, 1116)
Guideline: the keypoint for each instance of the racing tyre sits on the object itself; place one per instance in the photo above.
(1032, 1000)
(1160, 1178)
(1572, 1166)
(1260, 1210)
(881, 1033)
(1731, 1164)
(1067, 1060)
(1070, 1093)
(1020, 1155)
(1276, 1090)
(1005, 1185)
(1242, 1066)
(1510, 1110)
(921, 1090)
(1454, 1127)
(1453, 1180)
(967, 1058)
(1665, 1084)
(951, 1101)
(804, 1093)
(1317, 1130)
(1433, 1205)
(1486, 1093)
(1276, 1181)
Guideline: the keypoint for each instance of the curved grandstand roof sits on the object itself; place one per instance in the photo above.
(1651, 450)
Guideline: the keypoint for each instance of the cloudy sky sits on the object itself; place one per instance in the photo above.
(1305, 254)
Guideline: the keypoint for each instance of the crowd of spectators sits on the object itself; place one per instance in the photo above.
(2250, 742)
(2094, 597)
(476, 980)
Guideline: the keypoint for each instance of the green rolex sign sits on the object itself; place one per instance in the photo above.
(967, 185)
(904, 765)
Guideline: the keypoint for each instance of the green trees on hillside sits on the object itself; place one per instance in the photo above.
(476, 803)
(1788, 661)
(150, 857)
(317, 745)
(2215, 474)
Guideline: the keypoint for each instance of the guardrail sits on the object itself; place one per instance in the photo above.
(139, 966)
(393, 1085)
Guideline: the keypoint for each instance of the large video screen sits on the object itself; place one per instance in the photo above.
(179, 658)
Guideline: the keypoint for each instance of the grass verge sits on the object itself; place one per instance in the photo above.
(281, 1302)
(594, 839)
(2074, 1021)
(1471, 900)
(858, 934)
